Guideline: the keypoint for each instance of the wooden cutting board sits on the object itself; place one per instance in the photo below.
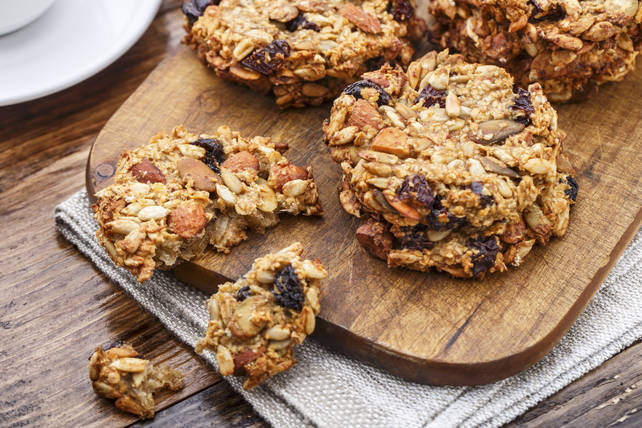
(425, 327)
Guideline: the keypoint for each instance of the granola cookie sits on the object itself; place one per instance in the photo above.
(302, 51)
(451, 168)
(568, 46)
(256, 321)
(120, 373)
(182, 192)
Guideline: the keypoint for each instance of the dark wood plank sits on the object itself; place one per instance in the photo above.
(54, 306)
(528, 309)
(219, 405)
(608, 396)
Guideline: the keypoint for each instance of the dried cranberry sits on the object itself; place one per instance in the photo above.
(214, 155)
(266, 60)
(416, 187)
(289, 292)
(242, 293)
(355, 88)
(539, 14)
(523, 102)
(438, 210)
(401, 10)
(487, 249)
(431, 96)
(478, 187)
(301, 22)
(414, 238)
(573, 188)
(195, 8)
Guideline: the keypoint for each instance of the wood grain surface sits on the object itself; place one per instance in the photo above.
(425, 327)
(55, 308)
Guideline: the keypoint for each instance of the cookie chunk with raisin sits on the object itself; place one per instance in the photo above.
(303, 52)
(121, 374)
(182, 192)
(256, 321)
(569, 47)
(451, 167)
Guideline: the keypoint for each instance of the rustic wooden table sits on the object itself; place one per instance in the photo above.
(55, 307)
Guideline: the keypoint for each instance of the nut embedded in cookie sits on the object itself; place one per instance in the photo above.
(182, 192)
(458, 172)
(120, 373)
(256, 321)
(303, 52)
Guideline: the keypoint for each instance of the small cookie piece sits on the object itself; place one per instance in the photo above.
(120, 373)
(451, 168)
(569, 47)
(256, 321)
(304, 52)
(181, 192)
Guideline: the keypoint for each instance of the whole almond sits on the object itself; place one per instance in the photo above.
(146, 172)
(241, 161)
(202, 176)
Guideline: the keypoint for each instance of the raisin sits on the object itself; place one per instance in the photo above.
(355, 88)
(478, 187)
(401, 10)
(301, 22)
(523, 103)
(266, 60)
(195, 8)
(431, 96)
(375, 63)
(414, 238)
(214, 155)
(415, 187)
(487, 249)
(242, 294)
(554, 14)
(573, 188)
(289, 292)
(438, 211)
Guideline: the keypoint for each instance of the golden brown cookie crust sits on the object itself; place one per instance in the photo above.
(569, 47)
(182, 192)
(256, 321)
(120, 373)
(302, 51)
(455, 170)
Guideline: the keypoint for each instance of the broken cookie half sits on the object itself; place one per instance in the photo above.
(120, 373)
(256, 321)
(182, 192)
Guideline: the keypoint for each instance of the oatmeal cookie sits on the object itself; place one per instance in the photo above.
(302, 51)
(451, 167)
(256, 321)
(568, 46)
(120, 373)
(181, 192)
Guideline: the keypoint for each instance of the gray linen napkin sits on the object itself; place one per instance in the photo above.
(327, 389)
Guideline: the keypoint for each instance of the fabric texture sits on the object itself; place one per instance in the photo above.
(327, 389)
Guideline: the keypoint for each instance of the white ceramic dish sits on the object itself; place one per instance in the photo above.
(15, 14)
(70, 42)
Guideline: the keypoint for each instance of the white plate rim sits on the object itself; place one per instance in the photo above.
(109, 58)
